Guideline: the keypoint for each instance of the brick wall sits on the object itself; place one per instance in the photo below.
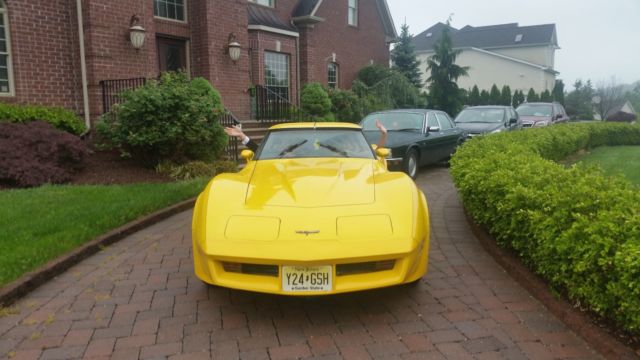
(262, 41)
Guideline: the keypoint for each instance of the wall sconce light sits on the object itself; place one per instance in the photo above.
(136, 32)
(234, 48)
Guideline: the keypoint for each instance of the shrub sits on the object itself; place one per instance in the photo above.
(315, 100)
(36, 153)
(575, 227)
(621, 116)
(346, 106)
(195, 169)
(171, 119)
(60, 118)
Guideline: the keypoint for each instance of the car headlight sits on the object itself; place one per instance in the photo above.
(541, 123)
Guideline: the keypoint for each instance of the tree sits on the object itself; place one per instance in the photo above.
(505, 96)
(608, 96)
(545, 96)
(518, 98)
(494, 95)
(485, 98)
(532, 96)
(578, 102)
(474, 96)
(558, 92)
(404, 58)
(444, 93)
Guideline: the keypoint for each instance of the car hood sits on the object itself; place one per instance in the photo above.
(311, 182)
(479, 128)
(394, 138)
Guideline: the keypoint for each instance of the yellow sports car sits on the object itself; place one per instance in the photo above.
(314, 212)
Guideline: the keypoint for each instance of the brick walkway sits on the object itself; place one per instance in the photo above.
(139, 299)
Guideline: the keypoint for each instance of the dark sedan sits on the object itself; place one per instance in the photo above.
(415, 137)
(480, 120)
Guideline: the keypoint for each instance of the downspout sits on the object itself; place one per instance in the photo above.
(83, 67)
(297, 65)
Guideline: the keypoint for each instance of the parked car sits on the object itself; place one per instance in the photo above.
(415, 137)
(537, 114)
(313, 212)
(480, 120)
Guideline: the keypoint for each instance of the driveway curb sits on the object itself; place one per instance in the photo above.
(31, 280)
(579, 322)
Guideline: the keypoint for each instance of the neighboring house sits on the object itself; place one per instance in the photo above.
(519, 56)
(283, 44)
(622, 111)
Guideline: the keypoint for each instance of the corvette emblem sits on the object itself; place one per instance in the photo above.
(307, 232)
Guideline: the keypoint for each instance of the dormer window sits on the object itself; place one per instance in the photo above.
(263, 2)
(518, 37)
(353, 13)
(170, 9)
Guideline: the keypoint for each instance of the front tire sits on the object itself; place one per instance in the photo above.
(410, 165)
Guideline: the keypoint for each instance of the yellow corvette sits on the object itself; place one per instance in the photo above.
(314, 212)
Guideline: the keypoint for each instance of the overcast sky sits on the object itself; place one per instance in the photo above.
(598, 38)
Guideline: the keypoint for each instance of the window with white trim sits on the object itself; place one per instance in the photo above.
(353, 12)
(6, 78)
(276, 73)
(332, 75)
(263, 2)
(170, 9)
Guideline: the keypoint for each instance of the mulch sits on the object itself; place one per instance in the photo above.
(108, 167)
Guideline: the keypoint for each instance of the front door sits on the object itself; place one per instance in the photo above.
(172, 54)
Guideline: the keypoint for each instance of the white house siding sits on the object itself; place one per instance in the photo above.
(486, 70)
(540, 55)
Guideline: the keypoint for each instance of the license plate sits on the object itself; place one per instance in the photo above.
(307, 278)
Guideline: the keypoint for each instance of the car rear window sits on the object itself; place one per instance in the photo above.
(322, 142)
(480, 116)
(394, 121)
(534, 110)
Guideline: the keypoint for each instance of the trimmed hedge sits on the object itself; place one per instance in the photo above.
(575, 227)
(60, 118)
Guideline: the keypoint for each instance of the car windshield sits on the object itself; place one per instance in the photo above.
(394, 121)
(534, 110)
(320, 142)
(480, 116)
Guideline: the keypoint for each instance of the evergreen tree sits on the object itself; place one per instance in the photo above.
(532, 96)
(444, 93)
(545, 96)
(485, 98)
(558, 92)
(404, 58)
(505, 97)
(518, 98)
(578, 103)
(474, 96)
(494, 95)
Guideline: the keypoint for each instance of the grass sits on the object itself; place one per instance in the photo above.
(40, 224)
(616, 160)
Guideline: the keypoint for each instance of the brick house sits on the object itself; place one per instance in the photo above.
(283, 45)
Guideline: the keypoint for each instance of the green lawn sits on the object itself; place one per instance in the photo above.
(624, 160)
(37, 225)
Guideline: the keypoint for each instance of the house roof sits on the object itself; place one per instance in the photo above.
(488, 37)
(618, 108)
(264, 16)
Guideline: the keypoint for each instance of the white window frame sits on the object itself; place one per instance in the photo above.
(5, 17)
(270, 3)
(184, 5)
(353, 21)
(336, 68)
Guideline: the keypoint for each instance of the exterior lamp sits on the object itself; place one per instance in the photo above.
(234, 48)
(136, 33)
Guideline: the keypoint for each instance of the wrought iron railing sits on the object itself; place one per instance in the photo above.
(228, 119)
(112, 89)
(268, 106)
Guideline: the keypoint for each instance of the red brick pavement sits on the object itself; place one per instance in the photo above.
(139, 299)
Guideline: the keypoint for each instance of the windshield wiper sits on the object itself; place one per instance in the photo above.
(405, 129)
(291, 147)
(334, 149)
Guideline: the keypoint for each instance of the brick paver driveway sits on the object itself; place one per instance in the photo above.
(139, 299)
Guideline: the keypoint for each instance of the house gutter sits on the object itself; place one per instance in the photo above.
(83, 67)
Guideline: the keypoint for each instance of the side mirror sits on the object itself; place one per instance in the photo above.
(247, 155)
(433, 129)
(383, 153)
(557, 117)
(513, 121)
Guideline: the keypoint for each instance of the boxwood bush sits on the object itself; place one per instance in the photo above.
(575, 227)
(60, 118)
